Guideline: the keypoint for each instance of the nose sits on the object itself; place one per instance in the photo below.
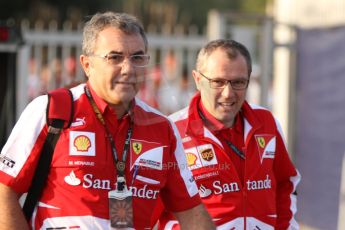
(227, 91)
(127, 66)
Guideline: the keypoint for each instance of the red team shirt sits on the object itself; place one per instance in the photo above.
(255, 193)
(82, 170)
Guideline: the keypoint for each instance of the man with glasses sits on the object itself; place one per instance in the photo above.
(236, 151)
(118, 156)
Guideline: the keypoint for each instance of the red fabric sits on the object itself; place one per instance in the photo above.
(82, 170)
(265, 197)
(60, 105)
(234, 135)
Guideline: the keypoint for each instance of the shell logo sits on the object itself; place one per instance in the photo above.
(191, 159)
(82, 143)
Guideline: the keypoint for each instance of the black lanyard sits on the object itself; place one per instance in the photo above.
(235, 149)
(229, 143)
(120, 165)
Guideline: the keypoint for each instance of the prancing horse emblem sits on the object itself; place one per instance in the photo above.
(261, 142)
(137, 147)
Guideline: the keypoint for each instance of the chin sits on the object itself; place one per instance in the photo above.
(127, 99)
(226, 118)
(126, 94)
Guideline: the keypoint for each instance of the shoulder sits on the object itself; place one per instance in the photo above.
(147, 108)
(259, 112)
(266, 116)
(37, 105)
(152, 119)
(147, 115)
(77, 91)
(179, 115)
(258, 109)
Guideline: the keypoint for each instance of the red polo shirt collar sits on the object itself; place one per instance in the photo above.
(101, 104)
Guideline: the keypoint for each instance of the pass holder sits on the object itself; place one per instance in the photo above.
(120, 206)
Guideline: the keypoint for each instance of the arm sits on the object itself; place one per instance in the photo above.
(180, 194)
(12, 216)
(287, 179)
(195, 218)
(23, 150)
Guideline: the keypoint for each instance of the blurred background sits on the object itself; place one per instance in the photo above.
(298, 52)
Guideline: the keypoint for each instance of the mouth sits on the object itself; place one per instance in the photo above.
(125, 85)
(227, 104)
(128, 81)
(125, 82)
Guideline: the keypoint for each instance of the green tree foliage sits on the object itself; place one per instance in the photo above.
(158, 12)
(254, 6)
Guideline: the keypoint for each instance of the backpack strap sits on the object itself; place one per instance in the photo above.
(58, 101)
(58, 118)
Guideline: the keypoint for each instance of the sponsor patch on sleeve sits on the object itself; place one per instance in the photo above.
(7, 161)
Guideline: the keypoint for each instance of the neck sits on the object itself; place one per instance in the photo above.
(120, 109)
(225, 125)
(229, 124)
(211, 121)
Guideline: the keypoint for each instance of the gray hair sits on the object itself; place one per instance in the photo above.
(232, 49)
(125, 22)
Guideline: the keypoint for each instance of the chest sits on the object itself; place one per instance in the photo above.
(84, 151)
(209, 158)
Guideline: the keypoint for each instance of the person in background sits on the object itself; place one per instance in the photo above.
(70, 65)
(236, 151)
(118, 156)
(168, 94)
(33, 80)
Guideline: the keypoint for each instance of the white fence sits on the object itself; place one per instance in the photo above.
(50, 59)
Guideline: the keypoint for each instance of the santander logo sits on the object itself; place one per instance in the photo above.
(89, 181)
(71, 179)
(204, 192)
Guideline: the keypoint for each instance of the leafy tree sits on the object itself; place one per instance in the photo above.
(158, 12)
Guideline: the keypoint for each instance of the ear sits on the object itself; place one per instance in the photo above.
(85, 63)
(196, 77)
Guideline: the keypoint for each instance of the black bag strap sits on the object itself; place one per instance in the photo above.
(55, 127)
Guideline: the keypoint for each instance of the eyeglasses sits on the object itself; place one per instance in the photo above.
(138, 60)
(218, 83)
